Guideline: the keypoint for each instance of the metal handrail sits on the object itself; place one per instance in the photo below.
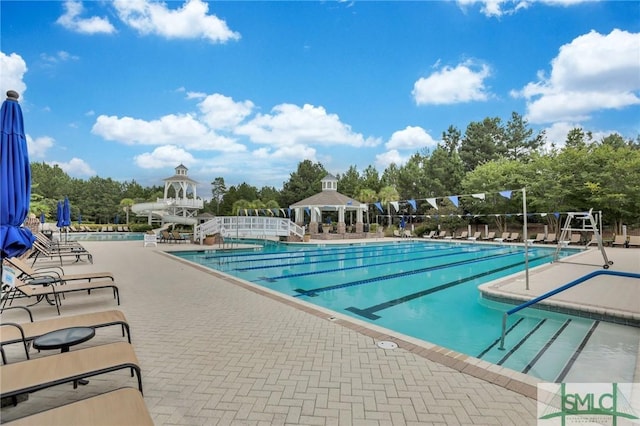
(556, 291)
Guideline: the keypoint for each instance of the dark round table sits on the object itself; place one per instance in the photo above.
(64, 338)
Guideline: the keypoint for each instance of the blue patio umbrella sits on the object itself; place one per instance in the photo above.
(60, 215)
(66, 212)
(42, 218)
(402, 224)
(15, 180)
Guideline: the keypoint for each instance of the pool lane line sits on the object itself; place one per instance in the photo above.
(314, 292)
(313, 251)
(369, 312)
(363, 256)
(327, 252)
(369, 265)
(301, 254)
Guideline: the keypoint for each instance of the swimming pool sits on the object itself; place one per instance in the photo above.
(428, 290)
(103, 236)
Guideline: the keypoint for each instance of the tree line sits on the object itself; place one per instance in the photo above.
(488, 157)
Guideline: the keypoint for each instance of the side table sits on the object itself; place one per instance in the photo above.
(63, 339)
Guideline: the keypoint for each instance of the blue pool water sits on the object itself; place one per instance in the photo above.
(104, 236)
(422, 289)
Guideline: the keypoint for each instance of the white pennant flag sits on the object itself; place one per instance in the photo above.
(432, 201)
(395, 205)
(480, 196)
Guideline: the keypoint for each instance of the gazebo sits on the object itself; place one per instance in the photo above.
(329, 200)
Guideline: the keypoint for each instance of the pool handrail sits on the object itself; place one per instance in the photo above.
(556, 291)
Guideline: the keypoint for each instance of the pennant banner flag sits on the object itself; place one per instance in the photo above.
(505, 194)
(432, 201)
(395, 205)
(307, 210)
(454, 199)
(413, 204)
(379, 206)
(480, 196)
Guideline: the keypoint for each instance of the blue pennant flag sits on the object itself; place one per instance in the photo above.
(454, 199)
(505, 194)
(413, 204)
(379, 206)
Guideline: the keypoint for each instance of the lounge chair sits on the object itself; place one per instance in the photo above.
(429, 235)
(53, 274)
(124, 406)
(634, 241)
(24, 332)
(407, 234)
(575, 239)
(166, 237)
(539, 238)
(551, 239)
(396, 233)
(109, 228)
(67, 367)
(504, 236)
(126, 229)
(619, 240)
(514, 237)
(442, 234)
(463, 235)
(52, 292)
(38, 251)
(178, 238)
(475, 236)
(490, 236)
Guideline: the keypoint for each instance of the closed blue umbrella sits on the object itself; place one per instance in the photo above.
(66, 212)
(42, 221)
(15, 180)
(402, 224)
(60, 215)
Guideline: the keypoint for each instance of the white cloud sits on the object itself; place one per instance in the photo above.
(164, 156)
(393, 156)
(290, 125)
(75, 167)
(221, 112)
(591, 73)
(58, 57)
(13, 71)
(71, 20)
(190, 21)
(412, 138)
(38, 147)
(498, 8)
(464, 83)
(180, 130)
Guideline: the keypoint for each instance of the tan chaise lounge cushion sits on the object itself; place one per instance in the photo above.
(124, 407)
(57, 276)
(13, 332)
(41, 373)
(55, 290)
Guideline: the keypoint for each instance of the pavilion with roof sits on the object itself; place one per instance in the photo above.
(327, 201)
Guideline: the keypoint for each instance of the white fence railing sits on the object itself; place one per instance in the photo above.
(248, 227)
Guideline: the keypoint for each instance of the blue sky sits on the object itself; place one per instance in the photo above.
(246, 90)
